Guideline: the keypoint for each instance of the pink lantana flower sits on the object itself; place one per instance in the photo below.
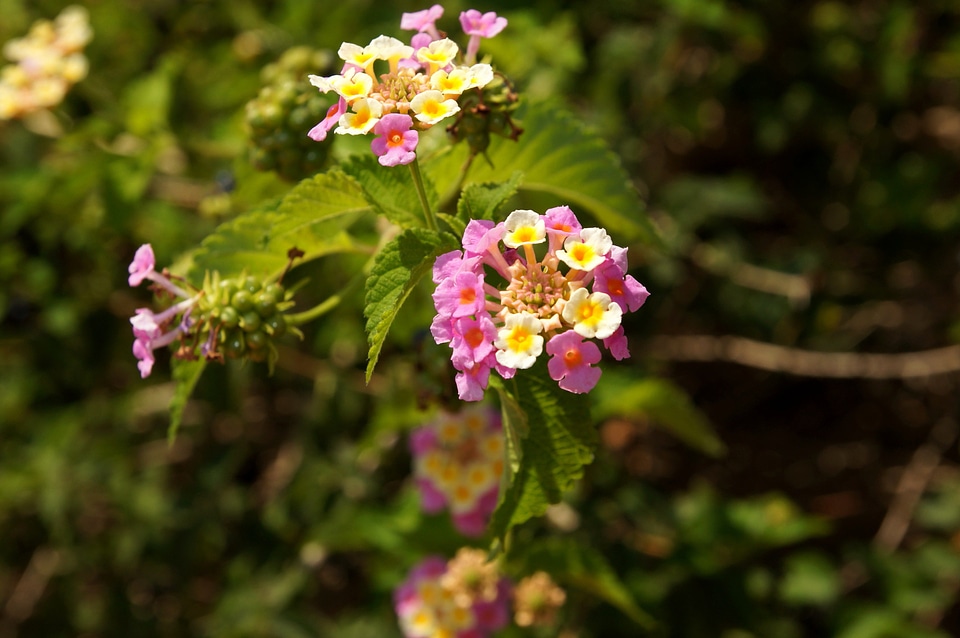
(629, 293)
(465, 597)
(142, 265)
(319, 132)
(397, 90)
(473, 338)
(479, 25)
(423, 21)
(571, 362)
(458, 460)
(147, 325)
(461, 295)
(548, 297)
(396, 143)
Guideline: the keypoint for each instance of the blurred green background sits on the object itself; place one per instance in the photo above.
(800, 161)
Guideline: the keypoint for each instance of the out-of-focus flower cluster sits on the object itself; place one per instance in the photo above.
(285, 107)
(458, 461)
(46, 63)
(536, 601)
(463, 598)
(576, 290)
(415, 87)
(233, 318)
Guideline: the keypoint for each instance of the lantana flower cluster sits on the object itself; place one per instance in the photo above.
(46, 63)
(233, 318)
(500, 305)
(465, 597)
(458, 461)
(396, 90)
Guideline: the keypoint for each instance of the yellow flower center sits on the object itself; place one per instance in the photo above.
(581, 253)
(519, 339)
(589, 313)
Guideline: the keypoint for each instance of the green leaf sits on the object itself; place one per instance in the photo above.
(312, 217)
(185, 376)
(482, 201)
(560, 158)
(576, 564)
(664, 403)
(558, 443)
(396, 271)
(391, 191)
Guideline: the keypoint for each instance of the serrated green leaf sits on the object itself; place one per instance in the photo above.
(482, 201)
(313, 217)
(664, 403)
(391, 191)
(515, 432)
(396, 271)
(558, 157)
(186, 374)
(575, 564)
(559, 442)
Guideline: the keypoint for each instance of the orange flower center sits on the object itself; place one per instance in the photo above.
(474, 337)
(572, 357)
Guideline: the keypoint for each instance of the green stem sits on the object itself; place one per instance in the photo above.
(331, 302)
(450, 197)
(319, 310)
(418, 182)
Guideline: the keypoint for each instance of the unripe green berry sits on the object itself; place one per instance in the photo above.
(275, 325)
(252, 285)
(266, 303)
(242, 300)
(257, 340)
(229, 317)
(250, 321)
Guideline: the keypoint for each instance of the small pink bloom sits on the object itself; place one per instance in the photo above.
(617, 345)
(572, 362)
(479, 25)
(144, 353)
(442, 329)
(396, 142)
(460, 296)
(629, 293)
(447, 265)
(142, 265)
(422, 20)
(145, 342)
(472, 383)
(495, 614)
(473, 338)
(561, 221)
(485, 25)
(432, 500)
(472, 524)
(618, 256)
(422, 440)
(478, 236)
(319, 132)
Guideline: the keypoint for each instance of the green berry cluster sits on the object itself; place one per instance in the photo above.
(245, 316)
(286, 108)
(484, 112)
